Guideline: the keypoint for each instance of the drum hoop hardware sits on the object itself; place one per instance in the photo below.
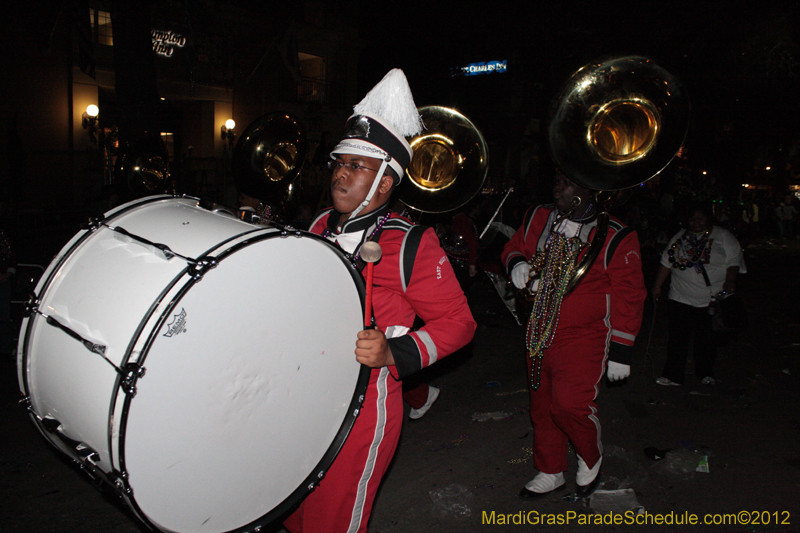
(288, 231)
(54, 427)
(161, 250)
(31, 306)
(85, 457)
(198, 267)
(92, 224)
(130, 372)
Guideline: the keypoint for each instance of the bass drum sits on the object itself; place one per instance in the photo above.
(200, 365)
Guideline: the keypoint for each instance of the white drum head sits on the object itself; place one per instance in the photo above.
(248, 381)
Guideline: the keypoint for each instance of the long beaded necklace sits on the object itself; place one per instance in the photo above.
(327, 233)
(559, 258)
(687, 251)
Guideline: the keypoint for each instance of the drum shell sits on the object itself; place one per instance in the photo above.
(218, 349)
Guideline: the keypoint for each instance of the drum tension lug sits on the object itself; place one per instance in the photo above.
(87, 454)
(92, 224)
(131, 372)
(288, 231)
(201, 266)
(120, 481)
(30, 306)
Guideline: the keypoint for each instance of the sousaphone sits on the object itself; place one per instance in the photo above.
(449, 165)
(268, 156)
(615, 124)
(144, 166)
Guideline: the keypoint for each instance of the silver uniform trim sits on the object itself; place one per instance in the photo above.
(430, 346)
(621, 335)
(593, 416)
(395, 331)
(369, 466)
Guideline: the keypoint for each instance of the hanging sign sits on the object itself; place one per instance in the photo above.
(165, 42)
(476, 69)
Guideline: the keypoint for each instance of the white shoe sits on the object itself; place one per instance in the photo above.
(433, 394)
(545, 483)
(585, 474)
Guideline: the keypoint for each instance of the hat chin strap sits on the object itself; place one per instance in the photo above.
(372, 189)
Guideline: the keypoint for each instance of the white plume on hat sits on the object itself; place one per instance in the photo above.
(378, 127)
(391, 100)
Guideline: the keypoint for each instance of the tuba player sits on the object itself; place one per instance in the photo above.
(573, 337)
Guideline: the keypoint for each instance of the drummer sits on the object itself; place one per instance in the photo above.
(413, 277)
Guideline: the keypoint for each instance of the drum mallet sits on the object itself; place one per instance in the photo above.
(370, 253)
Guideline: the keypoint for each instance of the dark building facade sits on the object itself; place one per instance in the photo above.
(172, 70)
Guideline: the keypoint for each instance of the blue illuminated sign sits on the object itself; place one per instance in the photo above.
(489, 67)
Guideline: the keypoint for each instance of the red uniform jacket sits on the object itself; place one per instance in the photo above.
(613, 284)
(413, 277)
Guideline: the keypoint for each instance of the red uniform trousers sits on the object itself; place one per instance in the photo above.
(343, 500)
(563, 408)
(417, 396)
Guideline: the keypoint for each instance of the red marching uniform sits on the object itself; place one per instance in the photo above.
(599, 320)
(413, 277)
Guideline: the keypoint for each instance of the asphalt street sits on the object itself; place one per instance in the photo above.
(725, 454)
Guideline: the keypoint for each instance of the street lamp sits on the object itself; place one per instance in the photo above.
(89, 121)
(228, 132)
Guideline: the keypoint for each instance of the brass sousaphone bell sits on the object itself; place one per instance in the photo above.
(268, 156)
(615, 124)
(449, 165)
(144, 166)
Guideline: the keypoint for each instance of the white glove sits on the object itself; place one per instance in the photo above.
(520, 275)
(617, 371)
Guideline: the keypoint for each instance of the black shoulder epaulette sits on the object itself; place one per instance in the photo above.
(408, 250)
(620, 232)
(408, 253)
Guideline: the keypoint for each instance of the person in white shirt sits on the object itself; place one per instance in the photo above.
(702, 260)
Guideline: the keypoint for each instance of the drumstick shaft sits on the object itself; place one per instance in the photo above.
(368, 299)
(370, 254)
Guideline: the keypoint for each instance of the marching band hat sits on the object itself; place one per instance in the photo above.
(381, 122)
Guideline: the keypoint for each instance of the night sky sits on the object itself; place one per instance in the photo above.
(739, 61)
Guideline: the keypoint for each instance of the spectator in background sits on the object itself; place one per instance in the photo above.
(785, 214)
(754, 220)
(703, 260)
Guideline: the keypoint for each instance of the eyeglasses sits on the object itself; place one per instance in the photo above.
(354, 166)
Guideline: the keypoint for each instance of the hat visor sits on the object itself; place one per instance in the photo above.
(365, 149)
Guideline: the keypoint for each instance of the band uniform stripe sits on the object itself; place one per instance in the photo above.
(369, 467)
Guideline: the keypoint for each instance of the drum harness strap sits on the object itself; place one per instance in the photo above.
(409, 250)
